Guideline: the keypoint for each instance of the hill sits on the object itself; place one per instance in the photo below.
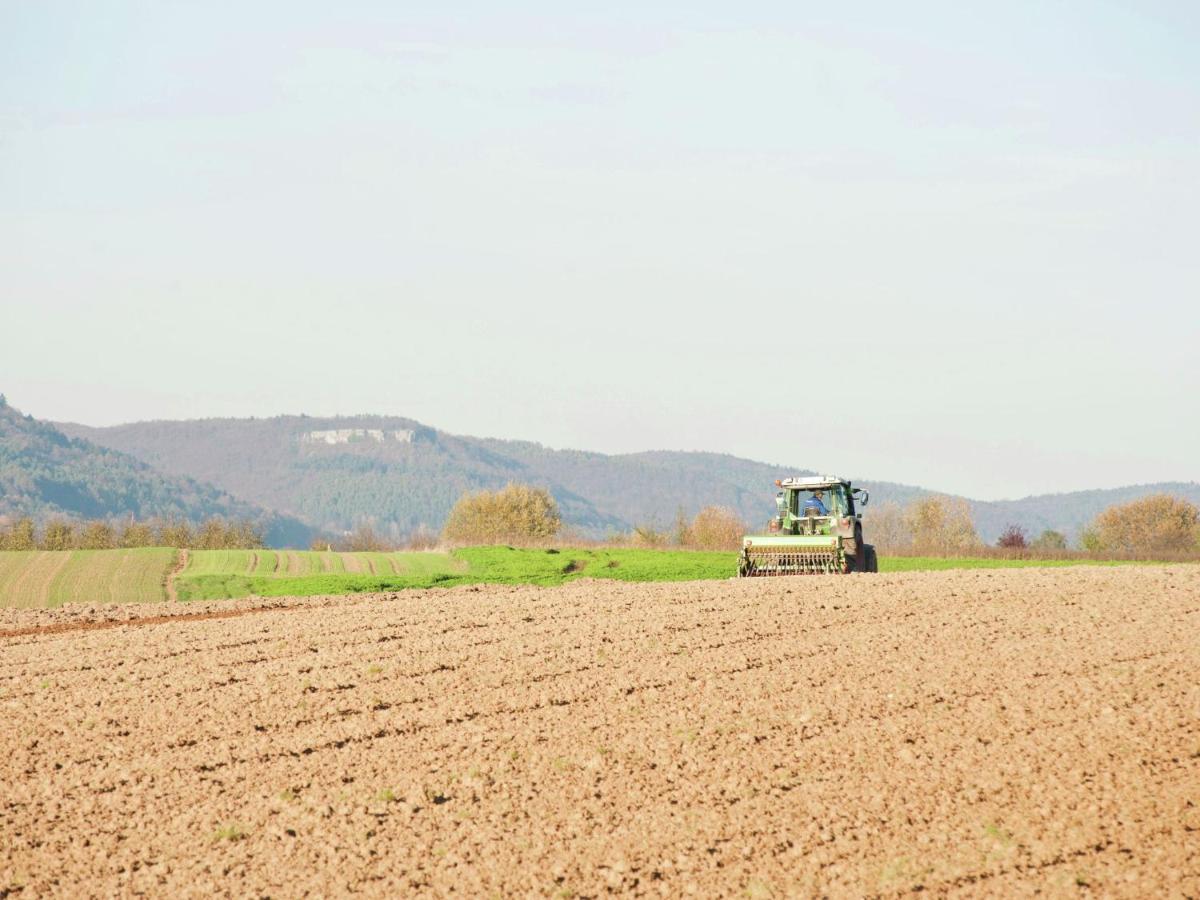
(44, 473)
(337, 473)
(399, 474)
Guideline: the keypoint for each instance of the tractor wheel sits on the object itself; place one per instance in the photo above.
(857, 562)
(870, 559)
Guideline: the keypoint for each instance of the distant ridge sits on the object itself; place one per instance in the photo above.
(45, 473)
(337, 472)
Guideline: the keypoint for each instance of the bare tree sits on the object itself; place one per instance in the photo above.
(941, 525)
(886, 528)
(423, 538)
(1013, 538)
(682, 535)
(363, 538)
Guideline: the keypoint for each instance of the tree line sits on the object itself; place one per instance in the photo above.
(934, 525)
(523, 515)
(1160, 524)
(99, 534)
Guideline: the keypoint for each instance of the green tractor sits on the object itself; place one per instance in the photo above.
(817, 530)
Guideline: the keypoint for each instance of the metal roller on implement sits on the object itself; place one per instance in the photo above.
(817, 530)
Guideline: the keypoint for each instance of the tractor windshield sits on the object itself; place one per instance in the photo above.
(826, 501)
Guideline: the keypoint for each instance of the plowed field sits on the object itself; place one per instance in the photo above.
(975, 733)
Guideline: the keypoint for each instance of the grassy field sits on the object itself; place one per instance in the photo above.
(504, 565)
(305, 563)
(217, 574)
(51, 578)
(45, 578)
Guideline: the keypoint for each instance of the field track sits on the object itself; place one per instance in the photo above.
(181, 562)
(960, 733)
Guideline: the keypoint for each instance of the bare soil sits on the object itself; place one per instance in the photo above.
(991, 732)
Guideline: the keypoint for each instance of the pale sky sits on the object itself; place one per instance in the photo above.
(920, 242)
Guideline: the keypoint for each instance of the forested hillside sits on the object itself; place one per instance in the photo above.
(44, 473)
(399, 483)
(396, 483)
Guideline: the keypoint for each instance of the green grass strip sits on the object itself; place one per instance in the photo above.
(505, 565)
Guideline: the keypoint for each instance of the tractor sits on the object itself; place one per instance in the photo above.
(817, 529)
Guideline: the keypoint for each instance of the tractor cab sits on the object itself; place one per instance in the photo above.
(814, 505)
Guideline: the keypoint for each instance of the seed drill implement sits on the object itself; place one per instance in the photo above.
(817, 530)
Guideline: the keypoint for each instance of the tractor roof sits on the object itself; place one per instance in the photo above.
(812, 481)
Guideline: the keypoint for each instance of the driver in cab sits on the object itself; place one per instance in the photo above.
(815, 502)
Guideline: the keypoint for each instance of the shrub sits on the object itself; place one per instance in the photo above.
(137, 534)
(210, 536)
(174, 534)
(1013, 538)
(717, 528)
(1159, 523)
(58, 534)
(20, 536)
(517, 514)
(941, 525)
(244, 535)
(1050, 540)
(217, 534)
(1089, 540)
(97, 535)
(648, 536)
